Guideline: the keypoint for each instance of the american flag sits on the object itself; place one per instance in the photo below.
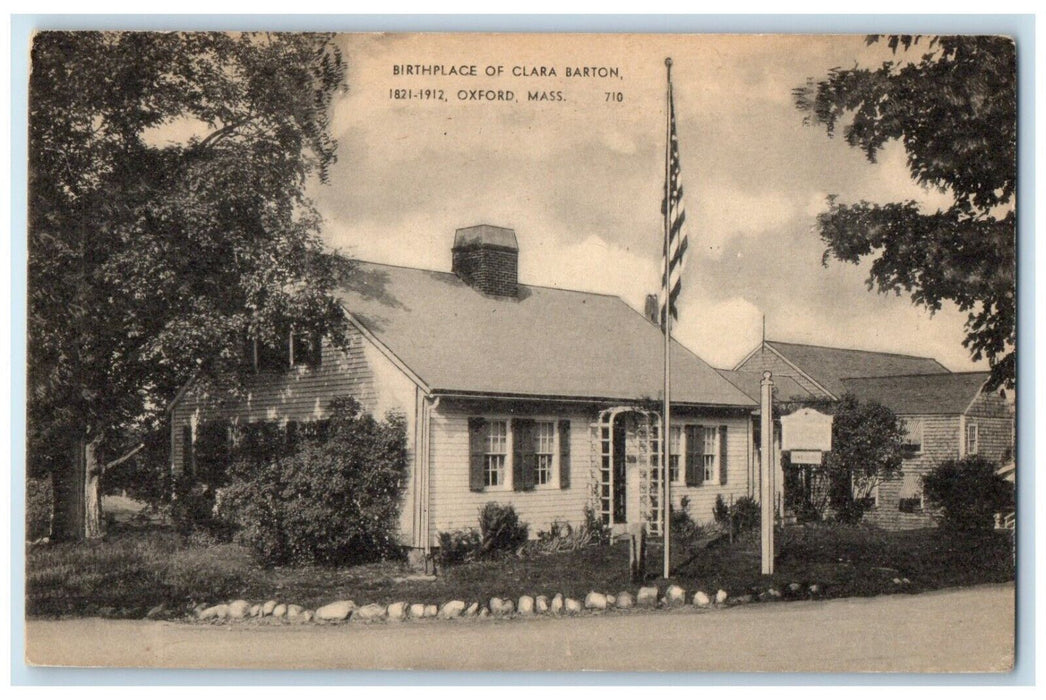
(672, 210)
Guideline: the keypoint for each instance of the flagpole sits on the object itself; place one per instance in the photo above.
(667, 319)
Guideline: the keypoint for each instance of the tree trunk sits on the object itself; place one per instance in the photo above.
(77, 510)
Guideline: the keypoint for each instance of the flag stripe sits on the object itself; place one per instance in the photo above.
(675, 253)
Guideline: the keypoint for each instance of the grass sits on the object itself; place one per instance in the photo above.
(131, 571)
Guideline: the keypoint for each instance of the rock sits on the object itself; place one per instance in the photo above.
(452, 609)
(507, 607)
(397, 611)
(472, 610)
(525, 605)
(814, 589)
(156, 611)
(556, 606)
(611, 601)
(417, 611)
(897, 582)
(336, 611)
(308, 616)
(595, 601)
(255, 610)
(279, 611)
(794, 587)
(238, 609)
(215, 612)
(720, 597)
(495, 605)
(541, 604)
(370, 612)
(675, 595)
(647, 597)
(773, 593)
(484, 612)
(571, 606)
(268, 607)
(431, 610)
(701, 599)
(624, 600)
(905, 580)
(294, 612)
(742, 599)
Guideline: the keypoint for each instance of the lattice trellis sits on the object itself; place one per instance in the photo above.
(643, 442)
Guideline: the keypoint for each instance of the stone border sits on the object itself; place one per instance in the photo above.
(647, 597)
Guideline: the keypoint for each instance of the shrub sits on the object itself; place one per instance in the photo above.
(328, 501)
(967, 493)
(597, 530)
(39, 501)
(721, 511)
(683, 525)
(500, 529)
(741, 516)
(458, 546)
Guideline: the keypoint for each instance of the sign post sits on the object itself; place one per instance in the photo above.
(766, 472)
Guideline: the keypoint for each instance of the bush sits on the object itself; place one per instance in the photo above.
(967, 493)
(39, 501)
(458, 546)
(597, 530)
(741, 516)
(331, 501)
(500, 529)
(683, 525)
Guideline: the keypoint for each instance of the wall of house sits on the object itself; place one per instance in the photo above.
(454, 506)
(941, 436)
(994, 419)
(765, 359)
(303, 393)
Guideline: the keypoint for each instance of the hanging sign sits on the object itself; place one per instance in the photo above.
(805, 456)
(806, 429)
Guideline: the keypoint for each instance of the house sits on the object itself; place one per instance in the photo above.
(544, 398)
(947, 416)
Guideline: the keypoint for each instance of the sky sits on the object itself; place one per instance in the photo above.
(580, 180)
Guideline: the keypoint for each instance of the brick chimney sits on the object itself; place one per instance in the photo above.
(486, 258)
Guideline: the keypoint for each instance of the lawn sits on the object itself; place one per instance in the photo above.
(133, 570)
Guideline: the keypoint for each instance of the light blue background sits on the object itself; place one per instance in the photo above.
(1021, 27)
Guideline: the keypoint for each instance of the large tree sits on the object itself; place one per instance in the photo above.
(951, 101)
(167, 223)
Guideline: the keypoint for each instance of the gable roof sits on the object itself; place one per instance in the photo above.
(785, 388)
(828, 366)
(934, 394)
(546, 342)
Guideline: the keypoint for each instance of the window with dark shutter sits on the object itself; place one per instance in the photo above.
(695, 455)
(306, 349)
(722, 454)
(477, 453)
(523, 454)
(564, 454)
(212, 452)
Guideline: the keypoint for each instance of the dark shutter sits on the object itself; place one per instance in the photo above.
(187, 456)
(564, 454)
(477, 452)
(249, 357)
(695, 458)
(523, 457)
(722, 454)
(292, 435)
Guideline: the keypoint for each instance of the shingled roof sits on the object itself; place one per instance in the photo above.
(828, 366)
(934, 394)
(544, 342)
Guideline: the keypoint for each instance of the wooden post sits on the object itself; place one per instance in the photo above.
(766, 474)
(637, 552)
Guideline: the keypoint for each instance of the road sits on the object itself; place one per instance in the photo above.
(969, 629)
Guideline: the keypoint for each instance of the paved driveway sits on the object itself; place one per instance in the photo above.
(968, 629)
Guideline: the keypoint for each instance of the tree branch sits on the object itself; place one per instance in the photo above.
(126, 457)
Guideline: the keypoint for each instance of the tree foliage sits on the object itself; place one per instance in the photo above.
(167, 218)
(967, 493)
(867, 448)
(330, 501)
(954, 110)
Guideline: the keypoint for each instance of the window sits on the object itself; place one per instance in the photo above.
(675, 450)
(709, 452)
(910, 498)
(544, 451)
(971, 439)
(306, 349)
(496, 452)
(913, 440)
